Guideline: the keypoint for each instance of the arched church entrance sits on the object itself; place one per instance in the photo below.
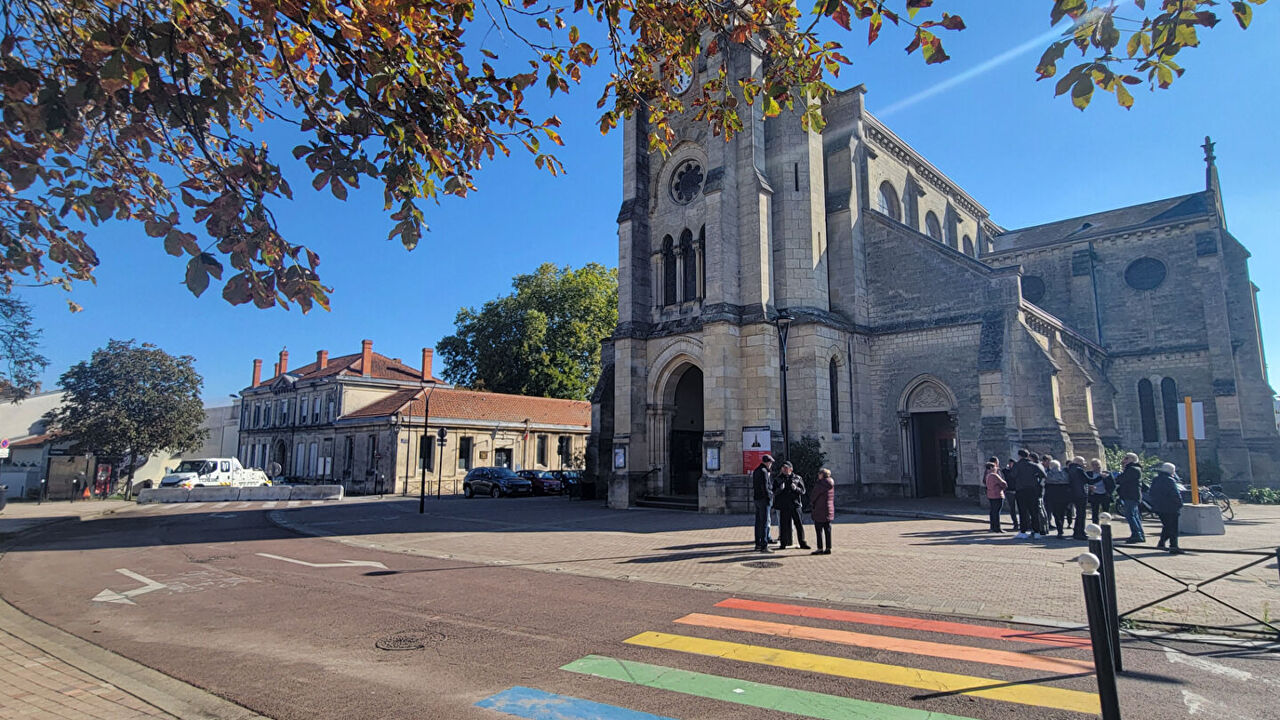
(931, 458)
(685, 447)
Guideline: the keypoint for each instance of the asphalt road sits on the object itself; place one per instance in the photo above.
(286, 626)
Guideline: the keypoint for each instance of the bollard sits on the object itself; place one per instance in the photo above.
(1094, 532)
(1109, 588)
(1099, 637)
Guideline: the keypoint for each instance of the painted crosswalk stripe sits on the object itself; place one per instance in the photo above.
(539, 705)
(906, 623)
(943, 682)
(317, 502)
(268, 505)
(893, 644)
(771, 697)
(293, 503)
(220, 505)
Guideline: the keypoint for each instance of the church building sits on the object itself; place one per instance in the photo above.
(920, 336)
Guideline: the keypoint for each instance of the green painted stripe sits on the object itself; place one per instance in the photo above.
(742, 692)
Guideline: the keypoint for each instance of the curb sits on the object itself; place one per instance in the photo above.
(911, 514)
(153, 687)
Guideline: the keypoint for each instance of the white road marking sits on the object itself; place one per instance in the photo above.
(344, 563)
(244, 506)
(268, 505)
(293, 503)
(111, 596)
(220, 505)
(317, 502)
(1209, 666)
(1200, 705)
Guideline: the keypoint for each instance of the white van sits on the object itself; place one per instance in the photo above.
(213, 472)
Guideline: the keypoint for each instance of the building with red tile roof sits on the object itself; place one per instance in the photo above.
(370, 423)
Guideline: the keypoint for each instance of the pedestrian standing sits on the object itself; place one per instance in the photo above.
(1078, 487)
(823, 510)
(1057, 494)
(762, 493)
(1027, 481)
(1129, 489)
(788, 495)
(1103, 485)
(995, 495)
(1166, 501)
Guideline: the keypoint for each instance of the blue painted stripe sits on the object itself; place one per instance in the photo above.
(538, 705)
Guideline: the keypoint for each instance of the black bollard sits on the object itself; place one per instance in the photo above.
(1094, 532)
(1099, 637)
(1109, 588)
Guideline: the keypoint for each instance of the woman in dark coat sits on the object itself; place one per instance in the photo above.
(824, 510)
(1166, 501)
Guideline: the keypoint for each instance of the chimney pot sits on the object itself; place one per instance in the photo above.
(366, 358)
(284, 362)
(427, 354)
(257, 372)
(322, 359)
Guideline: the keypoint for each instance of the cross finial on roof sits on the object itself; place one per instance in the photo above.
(1208, 150)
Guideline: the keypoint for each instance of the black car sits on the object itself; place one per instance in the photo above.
(544, 483)
(495, 482)
(570, 480)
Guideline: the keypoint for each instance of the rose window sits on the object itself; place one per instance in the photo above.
(686, 182)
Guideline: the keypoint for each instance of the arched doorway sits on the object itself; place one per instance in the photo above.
(280, 456)
(931, 452)
(685, 446)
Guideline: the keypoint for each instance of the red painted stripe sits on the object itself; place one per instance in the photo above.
(906, 623)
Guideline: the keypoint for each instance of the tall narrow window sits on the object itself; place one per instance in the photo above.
(257, 415)
(689, 276)
(373, 453)
(426, 452)
(1169, 399)
(968, 246)
(702, 263)
(833, 373)
(932, 227)
(668, 271)
(349, 457)
(299, 459)
(303, 405)
(464, 453)
(313, 463)
(542, 450)
(1147, 409)
(888, 203)
(266, 415)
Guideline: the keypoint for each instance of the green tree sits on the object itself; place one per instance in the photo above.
(131, 400)
(20, 360)
(153, 111)
(543, 339)
(807, 457)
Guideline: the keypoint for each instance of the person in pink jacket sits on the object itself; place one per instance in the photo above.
(824, 510)
(995, 495)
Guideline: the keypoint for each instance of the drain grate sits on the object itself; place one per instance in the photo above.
(408, 640)
(763, 564)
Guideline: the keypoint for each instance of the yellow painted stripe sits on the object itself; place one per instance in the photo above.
(966, 653)
(1050, 697)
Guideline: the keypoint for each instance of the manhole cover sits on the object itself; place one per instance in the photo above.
(408, 640)
(763, 564)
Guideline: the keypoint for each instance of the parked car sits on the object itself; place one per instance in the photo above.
(544, 483)
(213, 472)
(570, 481)
(495, 482)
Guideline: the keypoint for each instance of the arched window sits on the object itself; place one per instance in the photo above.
(833, 371)
(1169, 399)
(689, 279)
(668, 271)
(932, 227)
(889, 204)
(702, 258)
(968, 246)
(1147, 409)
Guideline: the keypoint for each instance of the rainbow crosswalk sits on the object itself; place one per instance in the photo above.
(745, 641)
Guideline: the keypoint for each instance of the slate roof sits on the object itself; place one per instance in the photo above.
(1108, 222)
(458, 404)
(384, 368)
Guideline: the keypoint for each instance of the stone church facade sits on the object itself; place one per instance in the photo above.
(924, 337)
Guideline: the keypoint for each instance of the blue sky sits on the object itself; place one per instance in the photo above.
(981, 118)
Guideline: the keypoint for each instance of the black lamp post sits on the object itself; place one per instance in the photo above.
(783, 323)
(442, 436)
(424, 449)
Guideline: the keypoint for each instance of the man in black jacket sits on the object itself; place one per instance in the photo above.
(788, 495)
(762, 493)
(1028, 480)
(1129, 489)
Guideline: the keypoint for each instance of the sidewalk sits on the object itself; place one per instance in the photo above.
(924, 565)
(47, 673)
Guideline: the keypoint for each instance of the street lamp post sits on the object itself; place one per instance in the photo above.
(424, 450)
(441, 437)
(783, 323)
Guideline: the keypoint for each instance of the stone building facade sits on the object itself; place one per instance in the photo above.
(924, 337)
(370, 423)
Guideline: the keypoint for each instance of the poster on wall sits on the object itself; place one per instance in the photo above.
(755, 445)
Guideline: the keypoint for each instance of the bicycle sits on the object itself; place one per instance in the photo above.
(1213, 494)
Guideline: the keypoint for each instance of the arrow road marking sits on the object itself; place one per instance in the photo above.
(111, 596)
(344, 563)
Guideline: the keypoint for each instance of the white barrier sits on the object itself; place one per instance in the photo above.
(316, 492)
(213, 494)
(265, 493)
(163, 495)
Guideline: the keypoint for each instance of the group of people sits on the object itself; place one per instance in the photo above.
(1042, 496)
(786, 492)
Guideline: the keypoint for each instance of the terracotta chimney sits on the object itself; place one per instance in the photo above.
(366, 358)
(284, 362)
(275, 369)
(322, 359)
(427, 354)
(257, 372)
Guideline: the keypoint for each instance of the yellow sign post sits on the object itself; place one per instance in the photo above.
(1191, 453)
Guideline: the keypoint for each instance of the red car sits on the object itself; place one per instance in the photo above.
(544, 483)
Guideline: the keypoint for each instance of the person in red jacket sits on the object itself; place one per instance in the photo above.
(995, 495)
(824, 510)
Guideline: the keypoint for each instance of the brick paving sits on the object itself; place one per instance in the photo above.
(927, 565)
